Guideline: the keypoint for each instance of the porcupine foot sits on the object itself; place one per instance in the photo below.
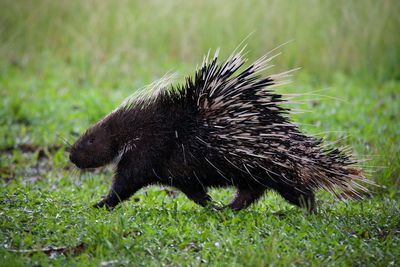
(245, 197)
(115, 196)
(303, 198)
(112, 199)
(103, 203)
(200, 197)
(118, 193)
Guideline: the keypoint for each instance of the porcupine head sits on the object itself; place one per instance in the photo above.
(97, 147)
(104, 142)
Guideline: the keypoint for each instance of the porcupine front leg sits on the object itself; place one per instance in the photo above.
(127, 180)
(245, 197)
(119, 191)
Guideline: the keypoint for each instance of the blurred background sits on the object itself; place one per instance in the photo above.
(135, 39)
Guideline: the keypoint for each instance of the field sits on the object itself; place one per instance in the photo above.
(65, 64)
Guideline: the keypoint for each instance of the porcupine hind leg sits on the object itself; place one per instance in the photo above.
(245, 197)
(303, 198)
(127, 180)
(199, 196)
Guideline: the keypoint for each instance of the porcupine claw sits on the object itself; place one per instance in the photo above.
(103, 203)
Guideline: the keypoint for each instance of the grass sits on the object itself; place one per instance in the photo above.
(65, 65)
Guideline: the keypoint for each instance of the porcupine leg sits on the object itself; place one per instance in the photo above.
(245, 197)
(126, 182)
(199, 196)
(120, 190)
(303, 198)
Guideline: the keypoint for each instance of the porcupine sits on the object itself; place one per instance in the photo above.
(224, 127)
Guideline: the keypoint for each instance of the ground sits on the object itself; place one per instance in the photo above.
(54, 84)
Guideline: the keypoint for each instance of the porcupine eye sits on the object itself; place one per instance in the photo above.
(91, 140)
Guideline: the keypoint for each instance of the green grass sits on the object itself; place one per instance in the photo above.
(64, 65)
